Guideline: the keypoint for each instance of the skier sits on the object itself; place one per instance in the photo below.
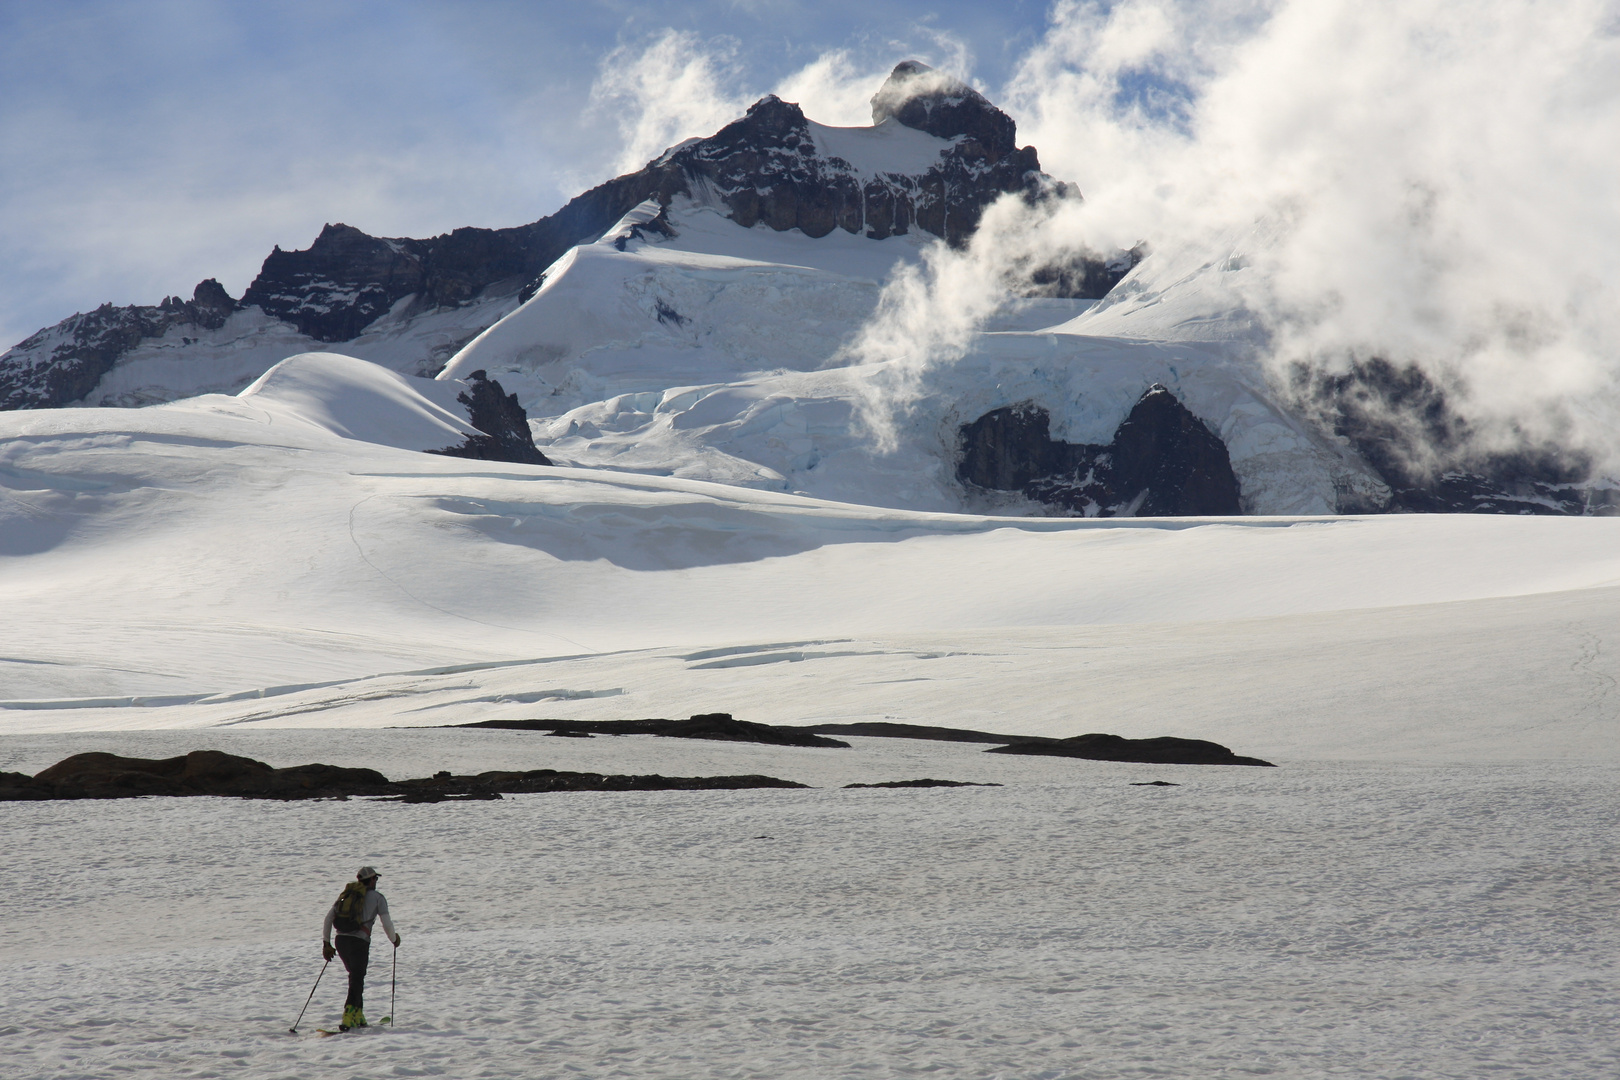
(353, 913)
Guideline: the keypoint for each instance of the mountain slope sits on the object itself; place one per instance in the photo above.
(691, 320)
(772, 166)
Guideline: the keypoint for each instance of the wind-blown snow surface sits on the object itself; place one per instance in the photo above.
(1307, 921)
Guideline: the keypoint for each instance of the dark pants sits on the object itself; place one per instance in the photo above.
(356, 954)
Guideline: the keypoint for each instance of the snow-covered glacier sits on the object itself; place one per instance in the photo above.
(717, 353)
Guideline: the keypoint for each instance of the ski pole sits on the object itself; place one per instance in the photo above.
(294, 1028)
(393, 983)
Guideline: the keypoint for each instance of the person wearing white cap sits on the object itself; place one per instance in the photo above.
(356, 909)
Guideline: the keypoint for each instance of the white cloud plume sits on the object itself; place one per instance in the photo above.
(835, 89)
(671, 88)
(1414, 180)
(678, 85)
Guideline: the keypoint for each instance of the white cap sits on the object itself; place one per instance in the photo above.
(366, 872)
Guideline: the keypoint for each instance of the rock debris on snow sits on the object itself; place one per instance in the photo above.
(98, 775)
(1164, 750)
(716, 726)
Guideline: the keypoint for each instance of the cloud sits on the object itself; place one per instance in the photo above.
(927, 314)
(835, 88)
(662, 91)
(146, 148)
(1405, 180)
(677, 85)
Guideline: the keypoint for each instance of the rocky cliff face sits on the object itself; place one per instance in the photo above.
(1162, 462)
(504, 424)
(817, 192)
(62, 363)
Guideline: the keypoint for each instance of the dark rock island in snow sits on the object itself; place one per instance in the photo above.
(1162, 462)
(502, 421)
(720, 727)
(210, 772)
(1164, 750)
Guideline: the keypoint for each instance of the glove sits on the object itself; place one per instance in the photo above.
(327, 951)
(397, 940)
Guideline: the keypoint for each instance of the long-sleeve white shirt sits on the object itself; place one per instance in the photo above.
(376, 906)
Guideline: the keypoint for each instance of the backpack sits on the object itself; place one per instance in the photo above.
(351, 903)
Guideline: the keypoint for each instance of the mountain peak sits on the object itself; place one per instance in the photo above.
(921, 97)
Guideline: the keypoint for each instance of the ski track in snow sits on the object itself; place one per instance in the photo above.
(1315, 920)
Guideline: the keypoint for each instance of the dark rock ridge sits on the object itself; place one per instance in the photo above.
(503, 422)
(1162, 751)
(492, 785)
(210, 772)
(717, 726)
(921, 783)
(928, 100)
(63, 363)
(816, 194)
(1165, 750)
(1407, 429)
(1162, 462)
(201, 772)
(1086, 277)
(883, 729)
(764, 167)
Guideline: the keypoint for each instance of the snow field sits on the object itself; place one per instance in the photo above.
(1424, 888)
(717, 355)
(247, 560)
(1313, 920)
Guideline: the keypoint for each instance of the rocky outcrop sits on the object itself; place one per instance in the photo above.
(921, 783)
(1165, 750)
(1162, 462)
(1407, 428)
(489, 785)
(1088, 277)
(718, 726)
(767, 168)
(61, 364)
(884, 729)
(201, 772)
(341, 284)
(210, 772)
(945, 107)
(503, 422)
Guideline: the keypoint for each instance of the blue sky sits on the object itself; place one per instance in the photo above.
(147, 144)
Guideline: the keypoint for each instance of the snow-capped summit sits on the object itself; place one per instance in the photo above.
(694, 319)
(937, 154)
(920, 97)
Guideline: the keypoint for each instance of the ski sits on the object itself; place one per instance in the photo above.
(344, 1031)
